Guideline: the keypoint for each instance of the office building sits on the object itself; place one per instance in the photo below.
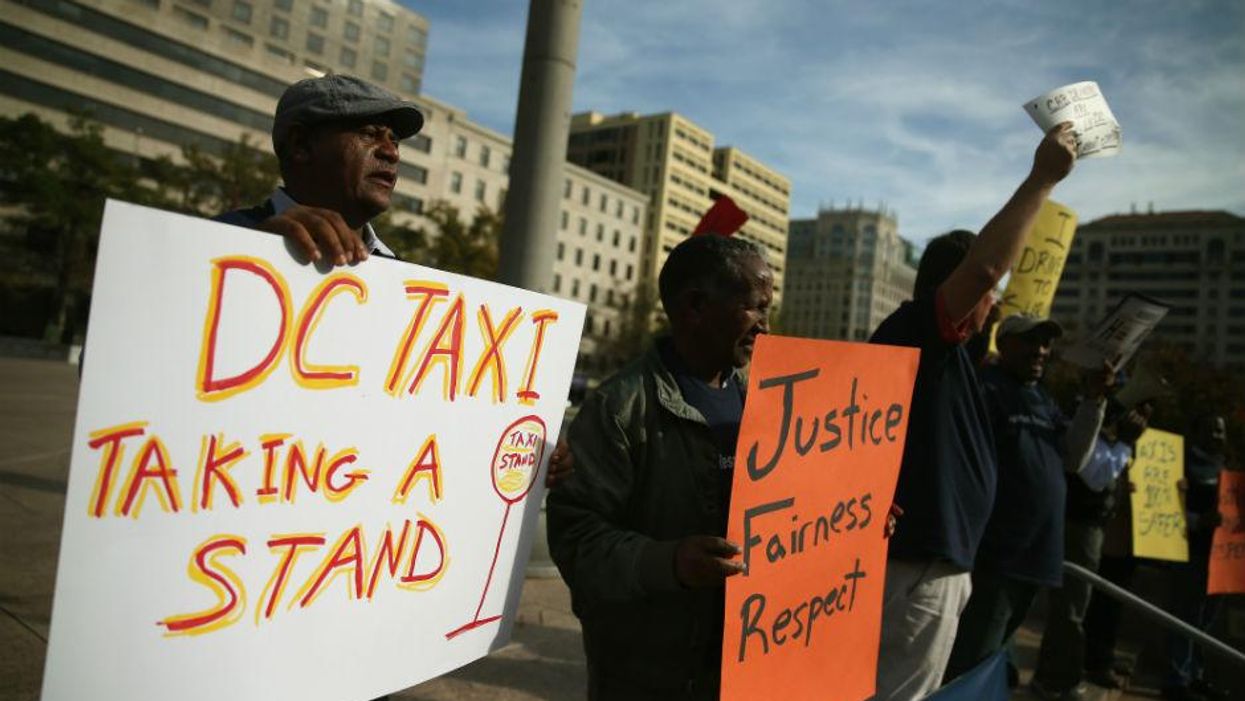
(161, 74)
(677, 165)
(1191, 260)
(847, 270)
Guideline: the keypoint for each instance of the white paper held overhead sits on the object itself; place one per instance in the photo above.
(1082, 103)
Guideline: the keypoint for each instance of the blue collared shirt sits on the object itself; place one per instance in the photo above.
(1105, 464)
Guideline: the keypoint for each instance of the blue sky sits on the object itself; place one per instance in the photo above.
(915, 104)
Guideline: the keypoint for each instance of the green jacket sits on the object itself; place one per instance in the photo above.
(646, 475)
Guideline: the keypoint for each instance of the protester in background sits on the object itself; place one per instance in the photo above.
(947, 476)
(638, 531)
(1091, 501)
(1022, 548)
(1203, 461)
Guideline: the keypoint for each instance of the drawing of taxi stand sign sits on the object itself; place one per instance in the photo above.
(513, 469)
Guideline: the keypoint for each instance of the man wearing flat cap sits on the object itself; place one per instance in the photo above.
(336, 139)
(1021, 550)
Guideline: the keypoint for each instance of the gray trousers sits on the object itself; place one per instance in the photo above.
(1061, 660)
(920, 611)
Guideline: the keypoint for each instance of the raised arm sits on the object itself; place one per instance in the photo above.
(996, 249)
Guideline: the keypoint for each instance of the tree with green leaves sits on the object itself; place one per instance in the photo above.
(449, 243)
(54, 185)
(208, 184)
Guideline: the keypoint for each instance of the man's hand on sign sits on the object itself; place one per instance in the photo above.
(1055, 155)
(561, 465)
(892, 521)
(321, 234)
(1100, 382)
(702, 561)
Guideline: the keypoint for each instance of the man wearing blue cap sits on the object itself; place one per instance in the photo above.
(336, 139)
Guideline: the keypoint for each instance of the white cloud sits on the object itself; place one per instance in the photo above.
(914, 103)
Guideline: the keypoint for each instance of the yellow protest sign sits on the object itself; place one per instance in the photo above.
(1158, 506)
(1034, 277)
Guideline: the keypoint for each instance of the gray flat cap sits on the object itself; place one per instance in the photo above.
(336, 97)
(1024, 323)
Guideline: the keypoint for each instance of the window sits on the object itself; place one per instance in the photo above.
(635, 215)
(416, 35)
(592, 293)
(380, 71)
(384, 22)
(280, 53)
(315, 43)
(613, 268)
(631, 245)
(480, 189)
(319, 17)
(355, 8)
(617, 237)
(238, 38)
(583, 226)
(630, 270)
(600, 232)
(195, 20)
(456, 183)
(587, 196)
(242, 11)
(579, 256)
(565, 220)
(351, 31)
(566, 189)
(604, 202)
(422, 143)
(588, 326)
(557, 282)
(485, 154)
(348, 57)
(381, 46)
(596, 261)
(412, 59)
(561, 250)
(575, 288)
(283, 4)
(460, 146)
(279, 27)
(410, 83)
(413, 172)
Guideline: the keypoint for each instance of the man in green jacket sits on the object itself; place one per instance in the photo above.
(637, 530)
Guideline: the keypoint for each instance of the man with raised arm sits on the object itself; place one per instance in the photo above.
(947, 477)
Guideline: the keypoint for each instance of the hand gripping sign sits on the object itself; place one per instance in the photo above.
(819, 451)
(288, 483)
(1097, 132)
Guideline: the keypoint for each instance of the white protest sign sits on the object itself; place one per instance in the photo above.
(294, 484)
(1117, 337)
(1082, 104)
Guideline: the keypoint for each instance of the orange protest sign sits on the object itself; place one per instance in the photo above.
(819, 450)
(1227, 554)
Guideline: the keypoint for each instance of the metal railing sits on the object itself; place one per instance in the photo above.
(1156, 614)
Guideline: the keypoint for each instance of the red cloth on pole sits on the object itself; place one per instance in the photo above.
(724, 218)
